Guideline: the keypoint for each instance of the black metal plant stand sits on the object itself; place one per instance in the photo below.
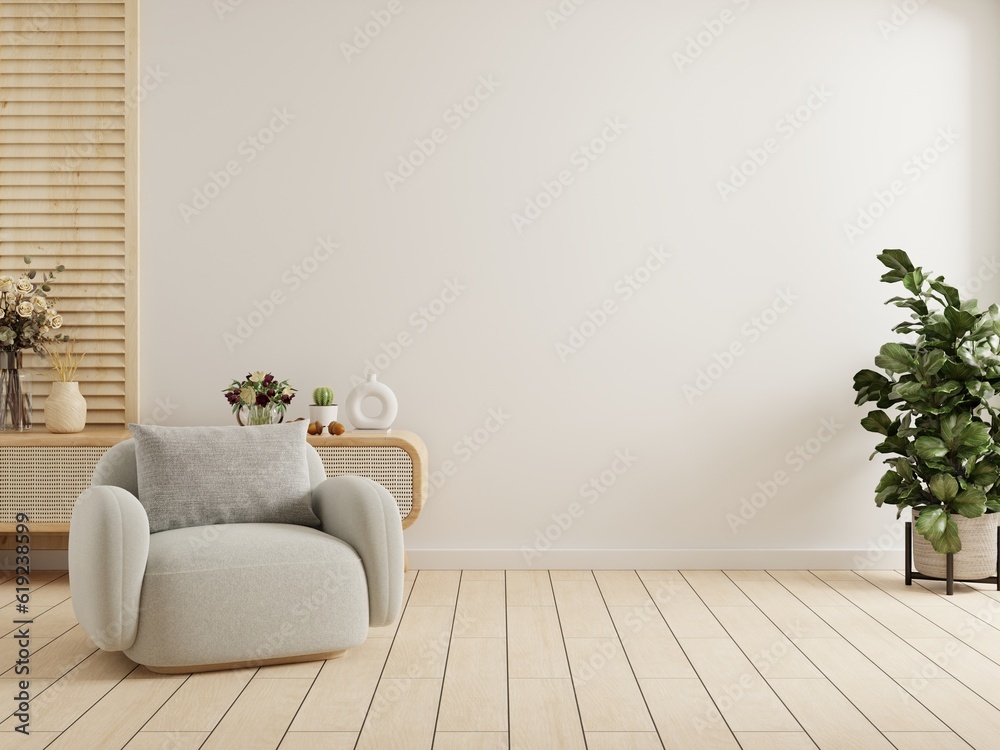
(949, 566)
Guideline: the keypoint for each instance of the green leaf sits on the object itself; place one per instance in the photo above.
(984, 474)
(31, 274)
(894, 358)
(898, 264)
(917, 305)
(961, 321)
(894, 444)
(27, 259)
(889, 479)
(950, 293)
(937, 527)
(46, 288)
(952, 426)
(911, 391)
(943, 486)
(877, 421)
(949, 541)
(971, 503)
(939, 329)
(975, 435)
(929, 448)
(888, 488)
(931, 362)
(913, 280)
(931, 522)
(903, 468)
(869, 385)
(957, 371)
(948, 387)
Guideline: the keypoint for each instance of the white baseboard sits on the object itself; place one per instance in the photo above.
(602, 559)
(654, 559)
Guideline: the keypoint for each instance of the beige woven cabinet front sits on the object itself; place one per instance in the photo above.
(42, 474)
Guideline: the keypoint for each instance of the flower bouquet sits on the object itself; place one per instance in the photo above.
(262, 398)
(28, 320)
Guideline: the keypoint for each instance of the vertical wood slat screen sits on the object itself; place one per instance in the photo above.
(68, 183)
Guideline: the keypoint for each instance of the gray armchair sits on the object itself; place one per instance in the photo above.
(238, 594)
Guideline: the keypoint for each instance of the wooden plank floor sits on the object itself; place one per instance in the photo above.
(600, 660)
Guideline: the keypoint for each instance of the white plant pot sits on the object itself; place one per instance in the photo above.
(978, 558)
(65, 408)
(323, 414)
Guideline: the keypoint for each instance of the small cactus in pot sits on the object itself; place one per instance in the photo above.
(322, 411)
(323, 396)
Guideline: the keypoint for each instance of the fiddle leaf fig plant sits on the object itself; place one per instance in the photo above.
(937, 424)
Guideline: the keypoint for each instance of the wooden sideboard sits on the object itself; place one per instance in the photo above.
(42, 474)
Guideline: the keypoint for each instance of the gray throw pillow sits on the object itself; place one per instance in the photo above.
(196, 476)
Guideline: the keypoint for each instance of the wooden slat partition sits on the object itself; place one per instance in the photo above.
(68, 182)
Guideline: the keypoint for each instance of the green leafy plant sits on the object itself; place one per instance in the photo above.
(939, 386)
(323, 396)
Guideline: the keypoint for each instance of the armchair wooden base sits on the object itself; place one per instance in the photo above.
(245, 664)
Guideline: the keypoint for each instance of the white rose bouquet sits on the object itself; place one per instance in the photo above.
(28, 318)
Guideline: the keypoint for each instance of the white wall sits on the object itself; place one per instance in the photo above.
(888, 93)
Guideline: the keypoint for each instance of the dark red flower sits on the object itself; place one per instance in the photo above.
(268, 379)
(262, 400)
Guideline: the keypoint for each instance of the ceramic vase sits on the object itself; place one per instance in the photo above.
(379, 391)
(65, 408)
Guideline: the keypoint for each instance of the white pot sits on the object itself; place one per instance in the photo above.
(978, 558)
(65, 408)
(323, 414)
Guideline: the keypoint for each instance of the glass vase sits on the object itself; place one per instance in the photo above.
(254, 415)
(15, 393)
